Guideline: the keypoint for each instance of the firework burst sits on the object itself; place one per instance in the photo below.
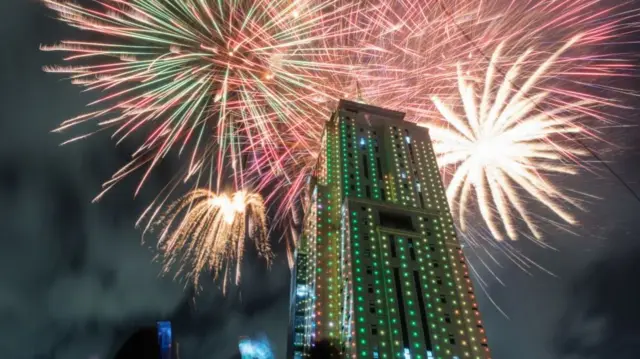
(507, 88)
(505, 142)
(245, 87)
(216, 78)
(204, 231)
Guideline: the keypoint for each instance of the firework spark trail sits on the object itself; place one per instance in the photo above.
(248, 85)
(424, 55)
(502, 144)
(552, 74)
(235, 82)
(570, 92)
(199, 74)
(520, 117)
(288, 168)
(204, 231)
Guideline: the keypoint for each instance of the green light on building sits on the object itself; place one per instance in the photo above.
(388, 279)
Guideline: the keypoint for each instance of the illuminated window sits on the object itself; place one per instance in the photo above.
(302, 290)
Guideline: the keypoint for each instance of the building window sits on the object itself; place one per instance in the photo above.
(401, 303)
(365, 166)
(421, 305)
(299, 339)
(396, 221)
(392, 242)
(412, 252)
(302, 290)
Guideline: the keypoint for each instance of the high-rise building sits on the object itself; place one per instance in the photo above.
(379, 270)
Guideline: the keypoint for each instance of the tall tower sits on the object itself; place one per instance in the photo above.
(379, 269)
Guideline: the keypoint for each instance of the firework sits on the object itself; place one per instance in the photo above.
(507, 88)
(517, 111)
(215, 78)
(504, 143)
(246, 86)
(204, 231)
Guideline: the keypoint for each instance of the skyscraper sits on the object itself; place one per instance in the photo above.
(379, 270)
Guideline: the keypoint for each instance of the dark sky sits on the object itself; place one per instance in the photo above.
(75, 280)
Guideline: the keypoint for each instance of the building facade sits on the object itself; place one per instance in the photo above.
(379, 271)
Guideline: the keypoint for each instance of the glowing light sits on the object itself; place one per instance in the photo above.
(302, 290)
(206, 232)
(255, 349)
(504, 143)
(218, 79)
(244, 87)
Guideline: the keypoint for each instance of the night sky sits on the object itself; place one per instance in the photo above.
(75, 280)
